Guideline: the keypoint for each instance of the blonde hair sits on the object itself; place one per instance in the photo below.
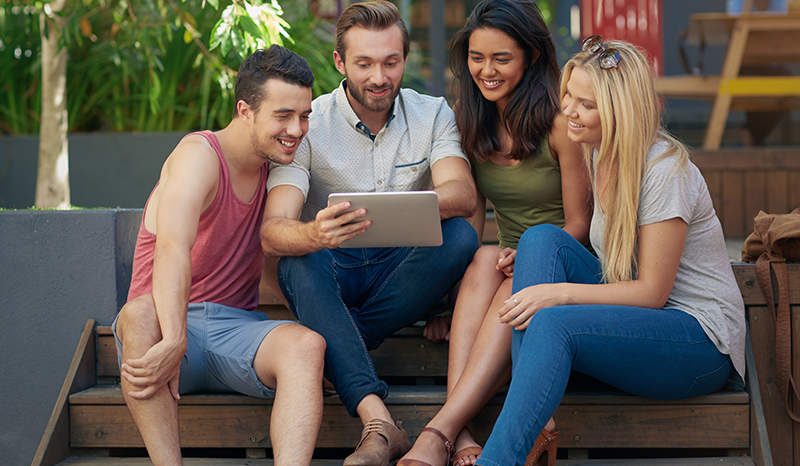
(628, 106)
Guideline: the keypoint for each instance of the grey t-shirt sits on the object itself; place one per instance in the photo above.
(705, 286)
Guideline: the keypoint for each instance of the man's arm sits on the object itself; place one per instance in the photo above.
(187, 186)
(282, 234)
(453, 183)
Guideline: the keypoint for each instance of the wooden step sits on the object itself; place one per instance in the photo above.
(721, 461)
(602, 419)
(405, 354)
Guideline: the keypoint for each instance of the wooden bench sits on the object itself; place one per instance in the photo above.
(92, 419)
(754, 39)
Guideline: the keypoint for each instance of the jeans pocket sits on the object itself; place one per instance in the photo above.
(710, 382)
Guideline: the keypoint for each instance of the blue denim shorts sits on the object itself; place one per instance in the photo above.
(221, 346)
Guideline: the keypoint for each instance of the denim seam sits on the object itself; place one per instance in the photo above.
(659, 340)
(349, 314)
(728, 363)
(556, 256)
(389, 277)
(539, 414)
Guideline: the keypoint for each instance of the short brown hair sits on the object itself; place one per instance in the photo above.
(375, 15)
(262, 65)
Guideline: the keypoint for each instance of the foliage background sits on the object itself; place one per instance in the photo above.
(165, 65)
(149, 65)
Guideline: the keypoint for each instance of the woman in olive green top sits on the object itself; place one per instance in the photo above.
(511, 126)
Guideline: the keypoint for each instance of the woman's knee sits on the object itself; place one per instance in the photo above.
(548, 323)
(545, 236)
(484, 259)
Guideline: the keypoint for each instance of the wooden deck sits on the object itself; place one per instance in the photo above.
(599, 425)
(722, 461)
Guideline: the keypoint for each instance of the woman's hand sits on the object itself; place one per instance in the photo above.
(505, 261)
(522, 305)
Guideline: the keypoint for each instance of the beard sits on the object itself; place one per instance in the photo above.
(373, 104)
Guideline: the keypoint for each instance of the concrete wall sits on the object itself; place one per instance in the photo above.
(106, 169)
(57, 269)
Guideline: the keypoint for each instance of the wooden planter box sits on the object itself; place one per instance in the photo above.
(783, 433)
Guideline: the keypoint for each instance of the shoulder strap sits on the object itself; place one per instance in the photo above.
(765, 265)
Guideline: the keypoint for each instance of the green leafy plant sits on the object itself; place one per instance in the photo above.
(151, 65)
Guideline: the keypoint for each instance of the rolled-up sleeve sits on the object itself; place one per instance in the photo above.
(446, 140)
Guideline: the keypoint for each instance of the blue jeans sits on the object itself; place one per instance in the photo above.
(655, 353)
(355, 298)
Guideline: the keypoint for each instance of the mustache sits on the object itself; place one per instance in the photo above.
(379, 89)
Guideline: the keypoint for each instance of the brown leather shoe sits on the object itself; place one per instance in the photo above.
(381, 443)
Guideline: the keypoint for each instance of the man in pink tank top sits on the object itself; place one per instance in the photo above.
(190, 323)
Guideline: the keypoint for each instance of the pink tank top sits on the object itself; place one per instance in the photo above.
(226, 256)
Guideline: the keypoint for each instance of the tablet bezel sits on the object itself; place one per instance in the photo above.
(399, 219)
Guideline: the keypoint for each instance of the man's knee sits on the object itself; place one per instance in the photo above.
(308, 345)
(460, 233)
(300, 271)
(292, 347)
(138, 319)
(460, 242)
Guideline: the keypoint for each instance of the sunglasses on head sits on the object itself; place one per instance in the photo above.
(609, 57)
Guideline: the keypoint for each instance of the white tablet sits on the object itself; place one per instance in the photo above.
(407, 218)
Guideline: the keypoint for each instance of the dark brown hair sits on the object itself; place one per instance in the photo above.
(529, 115)
(275, 62)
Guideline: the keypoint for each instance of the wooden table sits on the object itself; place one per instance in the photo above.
(754, 39)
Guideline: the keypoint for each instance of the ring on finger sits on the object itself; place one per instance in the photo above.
(516, 303)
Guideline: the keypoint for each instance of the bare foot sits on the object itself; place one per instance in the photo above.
(463, 441)
(550, 426)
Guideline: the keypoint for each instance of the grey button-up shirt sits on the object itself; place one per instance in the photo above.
(338, 156)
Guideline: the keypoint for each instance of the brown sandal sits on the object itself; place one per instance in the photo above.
(448, 447)
(543, 450)
(465, 453)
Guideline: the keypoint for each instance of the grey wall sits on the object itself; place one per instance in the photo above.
(57, 269)
(106, 169)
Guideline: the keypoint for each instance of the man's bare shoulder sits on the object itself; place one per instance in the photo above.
(193, 153)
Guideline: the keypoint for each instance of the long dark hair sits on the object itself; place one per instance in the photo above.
(529, 114)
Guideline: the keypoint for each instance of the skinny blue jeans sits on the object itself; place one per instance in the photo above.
(355, 298)
(655, 353)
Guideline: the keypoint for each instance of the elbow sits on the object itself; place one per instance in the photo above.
(470, 204)
(470, 211)
(659, 299)
(267, 246)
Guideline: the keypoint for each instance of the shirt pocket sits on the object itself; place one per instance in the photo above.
(412, 175)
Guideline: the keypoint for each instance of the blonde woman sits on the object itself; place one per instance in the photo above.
(659, 313)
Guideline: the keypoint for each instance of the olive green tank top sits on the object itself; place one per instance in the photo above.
(523, 195)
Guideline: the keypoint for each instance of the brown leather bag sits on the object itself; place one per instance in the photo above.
(774, 241)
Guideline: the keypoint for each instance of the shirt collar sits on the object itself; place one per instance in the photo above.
(350, 114)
